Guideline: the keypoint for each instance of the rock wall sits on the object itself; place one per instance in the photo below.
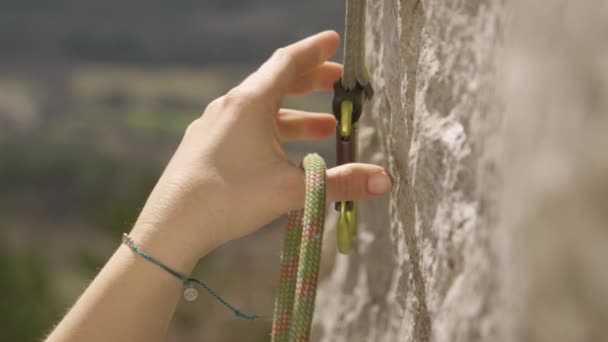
(554, 209)
(491, 115)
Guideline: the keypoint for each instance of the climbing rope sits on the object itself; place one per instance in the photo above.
(355, 70)
(295, 300)
(296, 293)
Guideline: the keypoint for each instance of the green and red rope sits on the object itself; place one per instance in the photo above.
(300, 259)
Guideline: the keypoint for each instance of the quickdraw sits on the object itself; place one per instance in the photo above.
(350, 94)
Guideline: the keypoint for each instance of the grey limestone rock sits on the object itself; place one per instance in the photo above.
(492, 117)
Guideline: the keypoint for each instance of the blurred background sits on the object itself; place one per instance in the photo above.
(94, 98)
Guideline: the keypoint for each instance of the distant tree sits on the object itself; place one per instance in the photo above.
(27, 293)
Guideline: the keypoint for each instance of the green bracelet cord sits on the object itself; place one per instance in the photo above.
(190, 293)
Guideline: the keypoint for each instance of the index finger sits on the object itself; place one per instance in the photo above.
(281, 71)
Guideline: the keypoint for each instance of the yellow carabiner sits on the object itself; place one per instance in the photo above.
(347, 222)
(346, 119)
(347, 227)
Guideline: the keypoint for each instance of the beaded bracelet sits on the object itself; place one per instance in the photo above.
(190, 293)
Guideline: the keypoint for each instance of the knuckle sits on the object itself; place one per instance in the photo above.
(192, 127)
(215, 104)
(344, 183)
(283, 55)
(238, 97)
(234, 97)
(213, 108)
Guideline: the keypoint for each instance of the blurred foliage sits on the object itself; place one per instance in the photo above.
(76, 180)
(27, 294)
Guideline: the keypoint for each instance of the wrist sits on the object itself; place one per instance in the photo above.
(181, 213)
(174, 248)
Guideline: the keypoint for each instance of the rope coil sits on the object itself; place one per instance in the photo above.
(300, 259)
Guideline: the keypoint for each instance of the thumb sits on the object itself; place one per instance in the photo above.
(356, 181)
(343, 183)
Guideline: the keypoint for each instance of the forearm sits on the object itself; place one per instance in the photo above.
(131, 299)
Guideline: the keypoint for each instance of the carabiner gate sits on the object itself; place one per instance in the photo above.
(347, 226)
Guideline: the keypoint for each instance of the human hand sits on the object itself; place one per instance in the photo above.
(231, 175)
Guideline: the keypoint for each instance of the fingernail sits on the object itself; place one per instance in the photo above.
(379, 183)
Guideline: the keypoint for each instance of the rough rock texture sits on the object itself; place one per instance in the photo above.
(492, 118)
(555, 198)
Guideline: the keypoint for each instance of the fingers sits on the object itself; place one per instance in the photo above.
(357, 181)
(280, 73)
(295, 125)
(346, 182)
(318, 79)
